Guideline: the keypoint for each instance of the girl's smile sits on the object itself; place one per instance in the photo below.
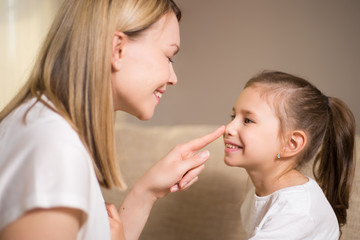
(231, 147)
(251, 137)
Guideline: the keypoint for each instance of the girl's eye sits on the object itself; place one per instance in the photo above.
(170, 60)
(247, 121)
(232, 116)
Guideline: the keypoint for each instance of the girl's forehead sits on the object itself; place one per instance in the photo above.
(255, 100)
(251, 93)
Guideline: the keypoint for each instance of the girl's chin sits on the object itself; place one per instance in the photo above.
(235, 161)
(230, 162)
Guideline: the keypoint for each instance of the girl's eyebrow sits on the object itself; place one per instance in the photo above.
(247, 112)
(244, 112)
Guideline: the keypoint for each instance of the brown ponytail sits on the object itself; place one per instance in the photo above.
(334, 165)
(329, 126)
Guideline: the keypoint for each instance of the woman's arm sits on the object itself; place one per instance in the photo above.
(178, 170)
(44, 224)
(116, 227)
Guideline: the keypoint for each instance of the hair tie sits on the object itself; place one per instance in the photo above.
(326, 99)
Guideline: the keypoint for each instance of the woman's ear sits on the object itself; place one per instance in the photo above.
(118, 49)
(294, 144)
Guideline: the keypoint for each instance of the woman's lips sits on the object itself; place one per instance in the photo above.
(158, 94)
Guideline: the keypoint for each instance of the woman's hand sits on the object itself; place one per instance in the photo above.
(116, 227)
(180, 168)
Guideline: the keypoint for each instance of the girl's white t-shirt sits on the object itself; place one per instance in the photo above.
(43, 164)
(298, 212)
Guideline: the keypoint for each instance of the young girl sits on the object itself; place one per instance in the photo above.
(279, 123)
(56, 135)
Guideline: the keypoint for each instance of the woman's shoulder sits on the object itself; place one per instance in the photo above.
(34, 132)
(35, 122)
(46, 160)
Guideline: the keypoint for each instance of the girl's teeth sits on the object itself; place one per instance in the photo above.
(231, 146)
(158, 94)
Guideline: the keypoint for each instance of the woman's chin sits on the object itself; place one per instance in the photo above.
(139, 114)
(145, 116)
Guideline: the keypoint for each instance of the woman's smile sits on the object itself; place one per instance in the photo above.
(143, 67)
(158, 94)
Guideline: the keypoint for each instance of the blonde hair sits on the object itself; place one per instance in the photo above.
(73, 71)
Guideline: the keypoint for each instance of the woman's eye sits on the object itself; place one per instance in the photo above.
(232, 116)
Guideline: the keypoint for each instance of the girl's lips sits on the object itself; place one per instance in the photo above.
(232, 147)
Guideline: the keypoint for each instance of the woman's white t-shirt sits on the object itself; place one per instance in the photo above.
(43, 164)
(298, 212)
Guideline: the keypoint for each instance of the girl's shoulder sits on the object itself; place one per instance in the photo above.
(299, 199)
(299, 210)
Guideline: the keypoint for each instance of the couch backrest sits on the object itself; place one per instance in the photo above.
(210, 209)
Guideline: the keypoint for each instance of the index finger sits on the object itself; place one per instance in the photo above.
(199, 143)
(112, 211)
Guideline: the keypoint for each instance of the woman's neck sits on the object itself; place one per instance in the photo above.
(271, 181)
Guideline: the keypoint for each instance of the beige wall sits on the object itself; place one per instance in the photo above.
(223, 44)
(23, 25)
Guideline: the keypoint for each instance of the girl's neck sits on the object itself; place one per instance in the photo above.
(272, 181)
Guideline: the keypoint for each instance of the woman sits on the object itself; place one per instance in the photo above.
(56, 135)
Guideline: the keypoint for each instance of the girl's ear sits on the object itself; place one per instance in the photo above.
(294, 144)
(118, 49)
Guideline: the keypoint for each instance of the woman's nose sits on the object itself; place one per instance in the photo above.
(173, 78)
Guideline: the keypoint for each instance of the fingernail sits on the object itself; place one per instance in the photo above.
(204, 155)
(182, 185)
(174, 188)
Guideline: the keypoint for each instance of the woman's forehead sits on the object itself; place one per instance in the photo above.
(165, 29)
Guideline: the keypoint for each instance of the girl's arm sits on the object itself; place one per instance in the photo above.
(178, 170)
(44, 224)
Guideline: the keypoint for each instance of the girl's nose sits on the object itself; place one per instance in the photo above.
(230, 129)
